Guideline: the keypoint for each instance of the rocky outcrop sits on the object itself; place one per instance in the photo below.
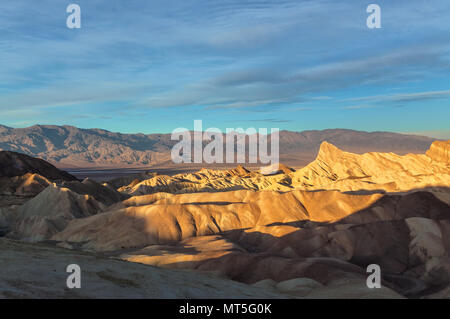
(336, 169)
(49, 212)
(25, 185)
(440, 151)
(102, 193)
(16, 164)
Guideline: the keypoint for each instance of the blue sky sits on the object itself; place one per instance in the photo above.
(153, 66)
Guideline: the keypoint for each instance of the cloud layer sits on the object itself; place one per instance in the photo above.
(281, 62)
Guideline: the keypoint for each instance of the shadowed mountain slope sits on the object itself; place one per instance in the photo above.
(16, 164)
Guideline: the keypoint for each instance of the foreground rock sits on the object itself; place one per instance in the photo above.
(105, 277)
(110, 278)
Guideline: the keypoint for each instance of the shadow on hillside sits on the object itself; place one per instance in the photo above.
(377, 234)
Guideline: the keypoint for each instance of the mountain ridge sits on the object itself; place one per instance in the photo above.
(71, 147)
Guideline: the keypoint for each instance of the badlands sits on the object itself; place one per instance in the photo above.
(305, 233)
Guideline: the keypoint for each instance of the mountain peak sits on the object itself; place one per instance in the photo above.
(440, 151)
(241, 170)
(328, 150)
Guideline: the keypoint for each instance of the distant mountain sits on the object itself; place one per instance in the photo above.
(67, 146)
(70, 147)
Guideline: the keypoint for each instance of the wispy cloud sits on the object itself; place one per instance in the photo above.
(262, 86)
(405, 97)
(357, 107)
(213, 58)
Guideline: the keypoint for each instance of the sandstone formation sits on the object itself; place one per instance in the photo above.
(440, 151)
(336, 169)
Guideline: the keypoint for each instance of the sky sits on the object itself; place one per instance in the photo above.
(155, 66)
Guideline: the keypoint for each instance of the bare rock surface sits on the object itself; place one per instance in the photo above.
(162, 218)
(336, 169)
(23, 277)
(49, 212)
(17, 164)
(440, 151)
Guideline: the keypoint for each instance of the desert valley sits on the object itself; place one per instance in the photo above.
(307, 231)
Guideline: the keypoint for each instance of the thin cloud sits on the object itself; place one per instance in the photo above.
(405, 97)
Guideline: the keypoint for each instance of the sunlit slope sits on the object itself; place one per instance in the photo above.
(333, 169)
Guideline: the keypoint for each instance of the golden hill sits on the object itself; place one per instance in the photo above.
(336, 169)
(333, 169)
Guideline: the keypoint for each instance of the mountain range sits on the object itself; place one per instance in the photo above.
(72, 147)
